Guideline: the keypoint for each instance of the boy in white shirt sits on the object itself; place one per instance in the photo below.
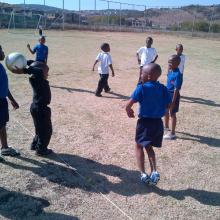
(105, 62)
(179, 51)
(146, 54)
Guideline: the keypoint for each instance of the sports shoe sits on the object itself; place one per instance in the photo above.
(2, 159)
(43, 152)
(166, 129)
(145, 178)
(98, 95)
(10, 151)
(169, 136)
(108, 90)
(154, 178)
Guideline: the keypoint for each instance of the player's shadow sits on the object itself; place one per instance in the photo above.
(115, 95)
(202, 196)
(16, 205)
(213, 142)
(91, 176)
(199, 101)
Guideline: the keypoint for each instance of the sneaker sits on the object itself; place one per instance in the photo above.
(10, 151)
(154, 178)
(108, 90)
(43, 152)
(98, 95)
(167, 129)
(169, 136)
(145, 178)
(2, 159)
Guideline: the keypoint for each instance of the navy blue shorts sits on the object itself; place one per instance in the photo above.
(4, 115)
(177, 103)
(149, 132)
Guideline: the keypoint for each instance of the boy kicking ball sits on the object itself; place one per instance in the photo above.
(154, 100)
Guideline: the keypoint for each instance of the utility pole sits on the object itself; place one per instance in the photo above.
(108, 13)
(95, 4)
(79, 10)
(63, 16)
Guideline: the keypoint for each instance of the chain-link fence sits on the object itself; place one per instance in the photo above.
(110, 15)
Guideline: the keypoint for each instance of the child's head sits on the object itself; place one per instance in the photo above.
(41, 66)
(2, 54)
(42, 39)
(150, 72)
(179, 49)
(149, 42)
(173, 62)
(105, 47)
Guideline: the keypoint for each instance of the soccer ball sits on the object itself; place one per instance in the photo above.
(15, 60)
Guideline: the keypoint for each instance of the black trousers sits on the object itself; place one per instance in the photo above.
(43, 127)
(103, 84)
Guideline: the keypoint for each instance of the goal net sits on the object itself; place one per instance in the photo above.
(25, 23)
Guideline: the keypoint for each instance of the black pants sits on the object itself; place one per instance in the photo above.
(103, 84)
(43, 127)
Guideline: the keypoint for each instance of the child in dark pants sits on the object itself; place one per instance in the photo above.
(105, 62)
(154, 99)
(4, 114)
(39, 109)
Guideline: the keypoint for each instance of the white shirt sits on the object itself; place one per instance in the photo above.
(105, 60)
(147, 55)
(182, 63)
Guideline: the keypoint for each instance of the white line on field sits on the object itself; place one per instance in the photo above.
(83, 177)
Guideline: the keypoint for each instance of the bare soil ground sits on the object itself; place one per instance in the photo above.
(96, 139)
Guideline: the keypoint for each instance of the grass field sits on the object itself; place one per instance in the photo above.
(96, 139)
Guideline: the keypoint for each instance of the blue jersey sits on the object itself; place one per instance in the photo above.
(3, 82)
(41, 52)
(153, 98)
(174, 80)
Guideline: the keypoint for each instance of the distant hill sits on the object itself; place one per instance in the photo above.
(182, 18)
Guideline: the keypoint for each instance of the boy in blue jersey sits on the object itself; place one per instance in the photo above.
(174, 83)
(41, 51)
(4, 114)
(154, 100)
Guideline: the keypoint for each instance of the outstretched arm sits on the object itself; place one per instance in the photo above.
(37, 72)
(29, 48)
(13, 102)
(129, 110)
(93, 68)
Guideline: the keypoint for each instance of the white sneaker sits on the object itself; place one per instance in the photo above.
(169, 136)
(145, 178)
(167, 129)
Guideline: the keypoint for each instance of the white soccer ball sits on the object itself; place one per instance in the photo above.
(15, 60)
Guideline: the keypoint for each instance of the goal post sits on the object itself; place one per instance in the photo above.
(26, 23)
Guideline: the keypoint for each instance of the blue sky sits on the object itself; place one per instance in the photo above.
(89, 4)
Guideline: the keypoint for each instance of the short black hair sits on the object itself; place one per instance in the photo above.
(150, 38)
(105, 47)
(179, 46)
(42, 37)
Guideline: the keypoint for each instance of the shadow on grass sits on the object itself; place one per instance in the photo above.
(16, 205)
(199, 101)
(115, 95)
(93, 178)
(213, 142)
(202, 196)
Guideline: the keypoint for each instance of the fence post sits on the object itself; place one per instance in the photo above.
(108, 13)
(120, 16)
